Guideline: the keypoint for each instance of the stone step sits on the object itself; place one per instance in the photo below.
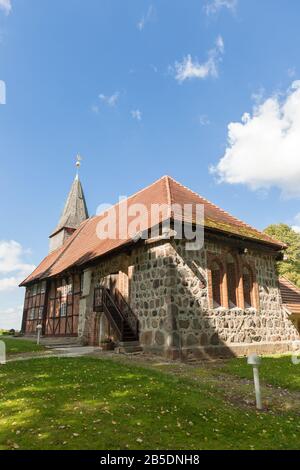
(129, 339)
(129, 347)
(60, 342)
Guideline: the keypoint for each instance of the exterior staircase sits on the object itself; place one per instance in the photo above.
(121, 317)
(119, 314)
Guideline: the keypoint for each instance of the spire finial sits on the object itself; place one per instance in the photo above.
(78, 163)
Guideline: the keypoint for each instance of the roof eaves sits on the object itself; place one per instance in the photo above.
(68, 243)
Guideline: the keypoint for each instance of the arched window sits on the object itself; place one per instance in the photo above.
(216, 279)
(248, 286)
(232, 281)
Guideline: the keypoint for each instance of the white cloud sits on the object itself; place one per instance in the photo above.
(6, 6)
(264, 148)
(11, 318)
(2, 91)
(214, 6)
(136, 114)
(10, 283)
(11, 254)
(146, 18)
(111, 101)
(296, 227)
(13, 269)
(189, 68)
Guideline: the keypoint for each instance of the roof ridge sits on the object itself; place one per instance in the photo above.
(134, 195)
(212, 203)
(224, 212)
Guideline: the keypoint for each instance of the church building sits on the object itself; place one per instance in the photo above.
(221, 299)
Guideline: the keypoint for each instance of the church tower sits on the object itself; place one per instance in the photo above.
(74, 213)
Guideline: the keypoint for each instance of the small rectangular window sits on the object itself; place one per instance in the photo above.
(31, 314)
(63, 309)
(41, 312)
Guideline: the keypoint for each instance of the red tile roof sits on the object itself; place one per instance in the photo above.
(290, 295)
(84, 245)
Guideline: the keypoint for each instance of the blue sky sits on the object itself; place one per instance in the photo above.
(142, 89)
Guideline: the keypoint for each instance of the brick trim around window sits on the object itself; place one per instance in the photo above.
(240, 265)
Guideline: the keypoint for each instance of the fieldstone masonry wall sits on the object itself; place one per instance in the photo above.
(207, 331)
(152, 283)
(168, 291)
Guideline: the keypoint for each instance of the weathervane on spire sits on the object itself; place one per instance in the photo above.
(78, 163)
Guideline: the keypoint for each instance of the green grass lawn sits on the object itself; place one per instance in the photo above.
(89, 403)
(19, 346)
(278, 371)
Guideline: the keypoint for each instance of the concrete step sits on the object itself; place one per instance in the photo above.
(61, 342)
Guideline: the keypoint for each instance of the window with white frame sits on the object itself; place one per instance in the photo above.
(63, 309)
(41, 311)
(32, 314)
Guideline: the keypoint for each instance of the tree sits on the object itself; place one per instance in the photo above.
(290, 268)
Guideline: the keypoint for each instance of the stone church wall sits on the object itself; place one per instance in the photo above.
(151, 291)
(150, 274)
(168, 289)
(204, 331)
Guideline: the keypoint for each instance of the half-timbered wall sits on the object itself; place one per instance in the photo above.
(34, 307)
(63, 306)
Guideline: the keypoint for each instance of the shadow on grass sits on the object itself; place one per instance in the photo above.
(278, 371)
(87, 403)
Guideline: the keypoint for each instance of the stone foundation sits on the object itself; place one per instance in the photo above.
(226, 352)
